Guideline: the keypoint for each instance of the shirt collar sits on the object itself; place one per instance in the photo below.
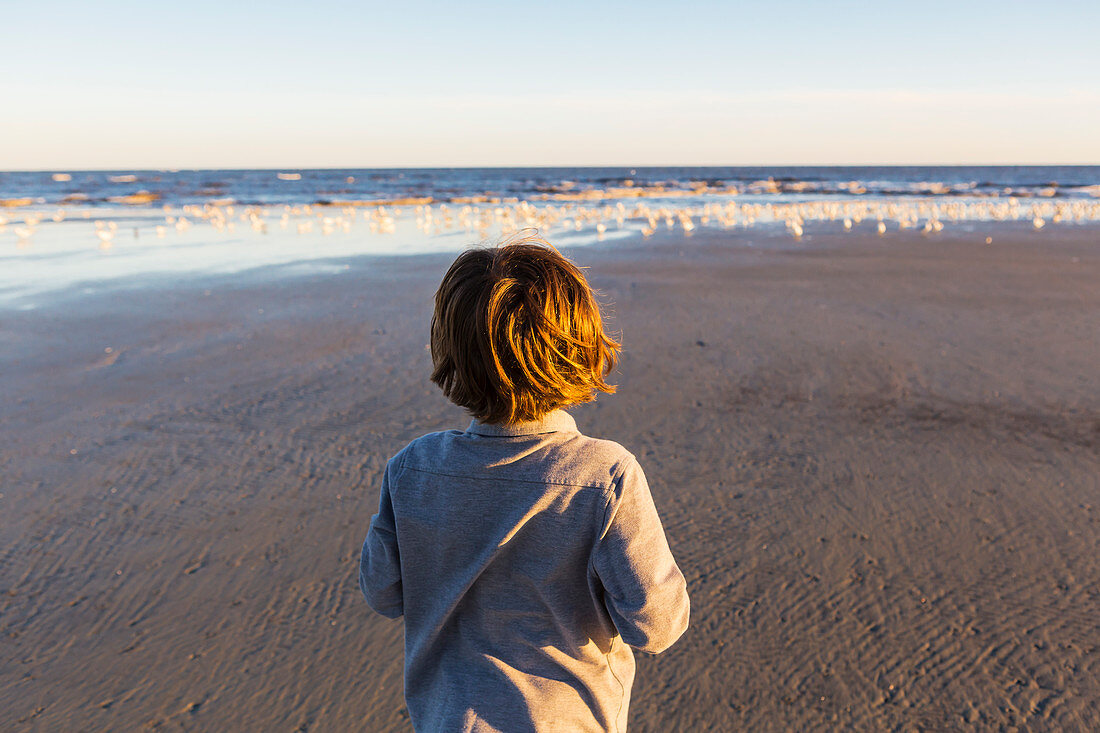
(554, 422)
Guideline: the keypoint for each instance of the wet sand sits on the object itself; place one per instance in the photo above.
(877, 460)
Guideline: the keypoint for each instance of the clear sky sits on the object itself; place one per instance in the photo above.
(116, 84)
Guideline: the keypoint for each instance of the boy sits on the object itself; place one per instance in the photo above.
(524, 556)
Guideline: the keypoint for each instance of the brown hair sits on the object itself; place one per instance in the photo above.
(517, 333)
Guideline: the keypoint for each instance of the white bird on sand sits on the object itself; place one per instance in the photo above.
(882, 227)
(105, 234)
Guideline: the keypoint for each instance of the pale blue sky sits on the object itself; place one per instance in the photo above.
(205, 84)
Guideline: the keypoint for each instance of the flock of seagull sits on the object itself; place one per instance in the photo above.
(927, 215)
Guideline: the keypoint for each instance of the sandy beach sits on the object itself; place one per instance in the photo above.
(877, 460)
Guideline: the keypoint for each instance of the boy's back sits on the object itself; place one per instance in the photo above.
(522, 557)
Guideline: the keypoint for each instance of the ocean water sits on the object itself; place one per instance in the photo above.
(66, 233)
(292, 186)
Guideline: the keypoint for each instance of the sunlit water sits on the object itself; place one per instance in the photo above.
(70, 257)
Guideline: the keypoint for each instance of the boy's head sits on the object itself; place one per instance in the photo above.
(517, 333)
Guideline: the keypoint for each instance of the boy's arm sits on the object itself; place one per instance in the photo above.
(379, 565)
(645, 593)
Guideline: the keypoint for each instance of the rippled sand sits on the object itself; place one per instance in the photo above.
(877, 461)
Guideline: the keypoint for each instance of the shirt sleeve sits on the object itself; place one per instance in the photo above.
(644, 591)
(380, 562)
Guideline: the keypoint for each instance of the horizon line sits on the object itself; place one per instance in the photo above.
(169, 169)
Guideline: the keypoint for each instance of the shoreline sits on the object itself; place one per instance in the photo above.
(290, 262)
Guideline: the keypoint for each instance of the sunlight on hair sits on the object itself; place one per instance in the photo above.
(517, 332)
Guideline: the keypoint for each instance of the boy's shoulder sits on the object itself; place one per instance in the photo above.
(598, 454)
(426, 445)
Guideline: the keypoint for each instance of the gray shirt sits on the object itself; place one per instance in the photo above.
(522, 557)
